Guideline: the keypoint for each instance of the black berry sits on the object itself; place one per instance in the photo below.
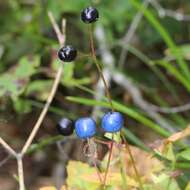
(65, 127)
(67, 54)
(89, 15)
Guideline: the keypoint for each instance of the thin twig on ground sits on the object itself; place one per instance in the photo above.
(162, 12)
(130, 32)
(19, 156)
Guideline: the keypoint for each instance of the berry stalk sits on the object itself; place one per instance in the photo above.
(108, 95)
(94, 160)
(133, 162)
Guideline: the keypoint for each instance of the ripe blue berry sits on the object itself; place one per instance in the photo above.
(85, 127)
(89, 15)
(67, 54)
(112, 122)
(65, 127)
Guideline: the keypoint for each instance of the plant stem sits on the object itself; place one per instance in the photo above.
(109, 161)
(92, 152)
(108, 95)
(133, 162)
(20, 172)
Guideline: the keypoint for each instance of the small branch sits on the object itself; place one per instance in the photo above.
(60, 35)
(20, 172)
(5, 160)
(137, 97)
(108, 61)
(109, 161)
(44, 111)
(162, 12)
(61, 39)
(133, 162)
(93, 154)
(130, 32)
(168, 110)
(8, 148)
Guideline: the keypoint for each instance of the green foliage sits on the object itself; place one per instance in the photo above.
(156, 63)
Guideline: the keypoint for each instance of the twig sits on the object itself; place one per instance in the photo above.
(108, 61)
(8, 148)
(61, 39)
(20, 172)
(108, 94)
(109, 161)
(19, 156)
(44, 111)
(136, 95)
(133, 162)
(162, 12)
(130, 32)
(168, 110)
(93, 154)
(5, 160)
(60, 35)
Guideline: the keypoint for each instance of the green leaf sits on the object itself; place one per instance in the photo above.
(39, 89)
(184, 50)
(27, 67)
(22, 106)
(169, 153)
(164, 181)
(81, 176)
(184, 154)
(116, 136)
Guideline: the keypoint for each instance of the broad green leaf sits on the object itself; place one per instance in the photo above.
(168, 152)
(81, 176)
(184, 154)
(22, 106)
(188, 186)
(116, 137)
(39, 89)
(27, 67)
(185, 49)
(164, 181)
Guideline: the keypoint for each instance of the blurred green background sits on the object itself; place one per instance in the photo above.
(145, 56)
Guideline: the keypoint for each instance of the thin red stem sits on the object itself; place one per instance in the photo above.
(94, 162)
(108, 95)
(109, 161)
(133, 162)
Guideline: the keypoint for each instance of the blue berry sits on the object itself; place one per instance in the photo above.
(112, 122)
(65, 127)
(89, 15)
(85, 127)
(67, 54)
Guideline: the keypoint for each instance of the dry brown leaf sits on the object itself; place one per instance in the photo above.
(173, 138)
(145, 163)
(179, 135)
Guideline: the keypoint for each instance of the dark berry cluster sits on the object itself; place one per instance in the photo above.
(69, 53)
(86, 127)
(89, 15)
(65, 127)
